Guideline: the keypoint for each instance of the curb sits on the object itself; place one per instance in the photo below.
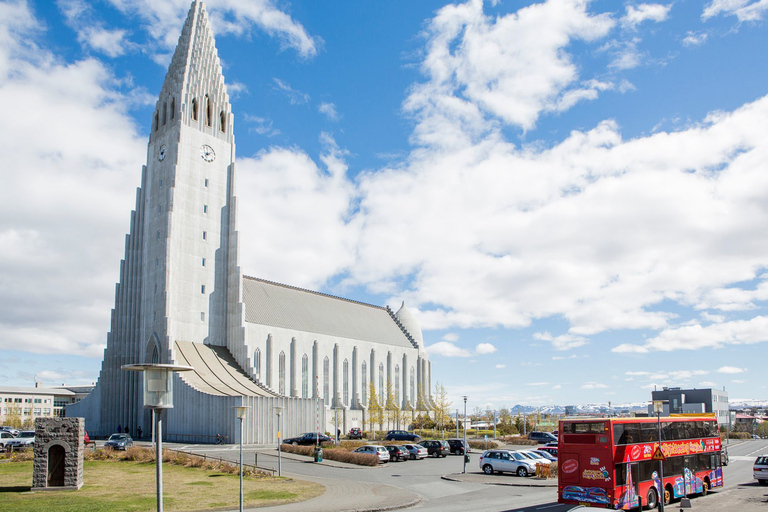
(507, 484)
(412, 503)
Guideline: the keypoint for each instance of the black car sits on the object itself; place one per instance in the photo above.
(401, 435)
(355, 433)
(397, 453)
(542, 437)
(307, 439)
(436, 448)
(458, 446)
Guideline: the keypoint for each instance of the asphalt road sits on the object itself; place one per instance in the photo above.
(423, 477)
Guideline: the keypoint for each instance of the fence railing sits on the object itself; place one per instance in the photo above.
(205, 457)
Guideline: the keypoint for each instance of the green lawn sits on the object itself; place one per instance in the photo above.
(117, 486)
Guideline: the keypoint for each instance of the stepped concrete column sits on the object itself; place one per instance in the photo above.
(269, 361)
(315, 370)
(335, 394)
(404, 378)
(294, 389)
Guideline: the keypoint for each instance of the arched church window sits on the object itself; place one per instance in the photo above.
(194, 109)
(257, 363)
(156, 121)
(326, 380)
(345, 379)
(381, 383)
(208, 111)
(173, 108)
(397, 384)
(413, 387)
(281, 373)
(364, 387)
(304, 376)
(165, 112)
(155, 355)
(223, 121)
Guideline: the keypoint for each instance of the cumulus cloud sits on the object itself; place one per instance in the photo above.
(593, 385)
(645, 12)
(447, 349)
(500, 366)
(730, 369)
(694, 38)
(91, 31)
(562, 342)
(485, 348)
(329, 110)
(744, 10)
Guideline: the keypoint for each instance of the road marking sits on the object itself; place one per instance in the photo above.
(548, 506)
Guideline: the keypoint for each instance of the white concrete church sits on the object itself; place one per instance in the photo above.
(182, 298)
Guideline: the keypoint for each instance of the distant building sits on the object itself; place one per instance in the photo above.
(692, 401)
(26, 404)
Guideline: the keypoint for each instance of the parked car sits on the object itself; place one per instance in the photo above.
(355, 433)
(308, 438)
(416, 450)
(10, 430)
(458, 446)
(401, 435)
(542, 437)
(760, 469)
(25, 439)
(119, 441)
(505, 461)
(537, 456)
(380, 451)
(552, 450)
(5, 439)
(436, 448)
(397, 452)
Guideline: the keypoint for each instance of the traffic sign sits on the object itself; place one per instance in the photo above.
(658, 454)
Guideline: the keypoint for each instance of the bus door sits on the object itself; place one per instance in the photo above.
(689, 475)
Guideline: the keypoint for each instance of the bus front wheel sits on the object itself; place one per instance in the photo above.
(704, 487)
(652, 500)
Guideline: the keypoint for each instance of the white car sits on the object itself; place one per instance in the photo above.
(25, 439)
(505, 461)
(5, 439)
(760, 469)
(538, 458)
(382, 452)
(416, 450)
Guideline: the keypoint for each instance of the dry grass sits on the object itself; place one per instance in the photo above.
(129, 486)
(340, 454)
(518, 440)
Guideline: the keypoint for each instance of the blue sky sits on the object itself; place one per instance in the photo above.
(570, 195)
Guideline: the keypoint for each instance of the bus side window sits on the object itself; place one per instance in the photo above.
(621, 477)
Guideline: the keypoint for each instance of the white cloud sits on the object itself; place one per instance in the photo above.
(744, 10)
(593, 385)
(91, 33)
(562, 342)
(329, 110)
(447, 349)
(645, 12)
(730, 369)
(537, 384)
(165, 19)
(485, 348)
(294, 96)
(261, 125)
(694, 38)
(451, 336)
(501, 366)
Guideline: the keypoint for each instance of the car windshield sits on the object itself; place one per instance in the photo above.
(27, 434)
(116, 437)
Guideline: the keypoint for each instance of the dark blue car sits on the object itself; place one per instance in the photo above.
(401, 435)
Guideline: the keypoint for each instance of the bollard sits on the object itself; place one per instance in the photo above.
(255, 460)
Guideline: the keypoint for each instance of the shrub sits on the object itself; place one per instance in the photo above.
(481, 445)
(518, 440)
(340, 454)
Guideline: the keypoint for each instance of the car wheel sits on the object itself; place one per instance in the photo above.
(488, 469)
(521, 471)
(762, 482)
(444, 455)
(652, 499)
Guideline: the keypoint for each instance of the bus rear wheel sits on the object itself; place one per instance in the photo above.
(705, 487)
(652, 499)
(667, 496)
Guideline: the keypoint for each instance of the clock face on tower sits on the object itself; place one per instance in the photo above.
(162, 152)
(207, 154)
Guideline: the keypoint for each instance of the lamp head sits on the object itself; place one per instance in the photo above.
(241, 411)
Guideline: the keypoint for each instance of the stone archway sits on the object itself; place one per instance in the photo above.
(56, 458)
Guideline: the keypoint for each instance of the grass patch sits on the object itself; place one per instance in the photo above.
(129, 486)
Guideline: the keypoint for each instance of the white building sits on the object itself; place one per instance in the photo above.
(182, 297)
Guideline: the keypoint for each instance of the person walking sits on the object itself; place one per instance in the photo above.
(138, 432)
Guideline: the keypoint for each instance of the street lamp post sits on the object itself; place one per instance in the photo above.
(658, 408)
(241, 410)
(158, 395)
(278, 410)
(464, 470)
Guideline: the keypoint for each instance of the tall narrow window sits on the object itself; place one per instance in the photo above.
(304, 376)
(208, 113)
(205, 235)
(413, 388)
(156, 121)
(257, 363)
(155, 355)
(205, 208)
(173, 108)
(203, 261)
(326, 380)
(223, 121)
(397, 385)
(165, 112)
(345, 381)
(202, 289)
(194, 109)
(364, 387)
(381, 384)
(281, 373)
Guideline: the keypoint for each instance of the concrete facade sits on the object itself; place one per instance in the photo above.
(59, 448)
(182, 297)
(691, 401)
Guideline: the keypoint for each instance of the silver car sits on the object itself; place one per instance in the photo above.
(416, 450)
(25, 439)
(760, 469)
(119, 441)
(373, 449)
(506, 461)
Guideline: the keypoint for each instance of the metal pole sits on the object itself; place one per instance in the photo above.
(279, 455)
(661, 468)
(457, 423)
(241, 464)
(336, 425)
(494, 425)
(464, 455)
(159, 457)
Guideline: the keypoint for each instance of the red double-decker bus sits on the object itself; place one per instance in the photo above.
(610, 462)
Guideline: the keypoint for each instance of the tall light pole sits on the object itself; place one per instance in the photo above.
(158, 395)
(457, 423)
(465, 436)
(241, 410)
(658, 408)
(278, 410)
